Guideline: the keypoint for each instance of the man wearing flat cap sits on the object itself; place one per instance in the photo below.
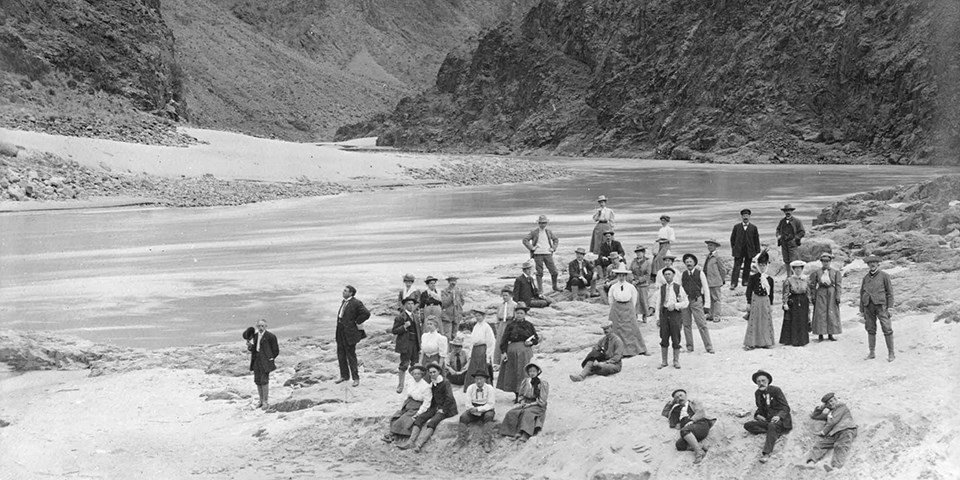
(772, 417)
(837, 433)
(542, 242)
(350, 316)
(691, 419)
(667, 302)
(640, 268)
(605, 358)
(716, 274)
(789, 232)
(825, 292)
(524, 290)
(451, 304)
(876, 298)
(744, 245)
(581, 274)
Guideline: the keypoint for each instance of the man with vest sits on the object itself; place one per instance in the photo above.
(667, 302)
(694, 283)
(542, 242)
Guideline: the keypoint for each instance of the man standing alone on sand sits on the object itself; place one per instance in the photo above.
(352, 313)
(264, 349)
(745, 244)
(716, 276)
(789, 233)
(542, 242)
(876, 298)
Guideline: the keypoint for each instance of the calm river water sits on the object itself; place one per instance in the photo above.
(158, 277)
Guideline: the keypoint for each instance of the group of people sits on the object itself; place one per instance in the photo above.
(439, 348)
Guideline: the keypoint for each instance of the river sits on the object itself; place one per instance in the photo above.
(158, 277)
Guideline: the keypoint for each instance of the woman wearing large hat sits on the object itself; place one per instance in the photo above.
(825, 286)
(517, 346)
(604, 217)
(623, 314)
(796, 307)
(526, 419)
(760, 299)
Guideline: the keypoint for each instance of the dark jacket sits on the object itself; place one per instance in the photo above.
(778, 406)
(518, 331)
(573, 269)
(745, 242)
(408, 335)
(524, 290)
(609, 349)
(269, 349)
(790, 231)
(443, 399)
(354, 314)
(603, 258)
(754, 284)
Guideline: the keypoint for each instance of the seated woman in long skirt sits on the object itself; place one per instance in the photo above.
(416, 401)
(526, 420)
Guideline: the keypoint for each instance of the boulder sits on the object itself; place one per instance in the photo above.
(15, 192)
(68, 192)
(309, 397)
(4, 423)
(12, 176)
(811, 249)
(8, 149)
(681, 153)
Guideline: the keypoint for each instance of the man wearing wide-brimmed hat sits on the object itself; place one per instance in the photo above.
(773, 413)
(789, 232)
(716, 277)
(694, 283)
(580, 272)
(542, 242)
(640, 268)
(452, 305)
(480, 403)
(838, 433)
(825, 292)
(526, 291)
(876, 299)
(744, 245)
(604, 218)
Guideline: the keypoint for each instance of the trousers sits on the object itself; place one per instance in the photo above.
(840, 442)
(772, 430)
(691, 314)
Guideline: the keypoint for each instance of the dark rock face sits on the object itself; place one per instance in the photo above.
(798, 81)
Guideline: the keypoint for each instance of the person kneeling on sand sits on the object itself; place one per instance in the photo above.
(481, 400)
(691, 419)
(838, 433)
(605, 358)
(263, 349)
(773, 413)
(442, 406)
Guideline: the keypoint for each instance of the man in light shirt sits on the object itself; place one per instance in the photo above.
(667, 302)
(542, 242)
(481, 400)
(716, 277)
(694, 283)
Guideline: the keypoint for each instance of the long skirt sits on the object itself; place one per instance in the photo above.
(760, 323)
(511, 371)
(428, 359)
(796, 320)
(498, 329)
(826, 312)
(402, 420)
(623, 315)
(597, 237)
(528, 420)
(478, 361)
(658, 260)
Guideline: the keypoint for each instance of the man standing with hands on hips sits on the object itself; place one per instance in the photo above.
(876, 298)
(351, 314)
(542, 242)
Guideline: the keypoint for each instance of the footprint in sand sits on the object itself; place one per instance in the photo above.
(643, 451)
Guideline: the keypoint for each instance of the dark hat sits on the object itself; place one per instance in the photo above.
(507, 288)
(408, 277)
(452, 277)
(249, 333)
(674, 394)
(872, 259)
(826, 398)
(746, 211)
(430, 278)
(482, 373)
(531, 364)
(608, 232)
(787, 208)
(521, 306)
(690, 255)
(580, 250)
(826, 254)
(410, 299)
(434, 366)
(419, 367)
(665, 217)
(670, 269)
(765, 374)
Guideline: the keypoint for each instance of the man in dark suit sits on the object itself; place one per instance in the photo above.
(352, 313)
(407, 329)
(789, 232)
(606, 247)
(745, 243)
(773, 413)
(264, 349)
(581, 274)
(524, 290)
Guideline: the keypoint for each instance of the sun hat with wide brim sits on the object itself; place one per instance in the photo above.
(621, 271)
(419, 367)
(430, 278)
(826, 255)
(521, 306)
(531, 364)
(787, 208)
(602, 198)
(872, 259)
(798, 263)
(761, 373)
(690, 255)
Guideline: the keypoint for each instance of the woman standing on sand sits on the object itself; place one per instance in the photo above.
(623, 313)
(825, 285)
(760, 298)
(526, 419)
(665, 236)
(796, 307)
(517, 346)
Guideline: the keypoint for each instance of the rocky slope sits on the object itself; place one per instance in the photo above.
(777, 81)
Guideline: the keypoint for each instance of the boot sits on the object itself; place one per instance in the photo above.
(575, 292)
(872, 343)
(462, 435)
(699, 453)
(663, 356)
(406, 445)
(676, 358)
(890, 355)
(554, 278)
(400, 376)
(486, 438)
(260, 396)
(266, 396)
(540, 284)
(424, 436)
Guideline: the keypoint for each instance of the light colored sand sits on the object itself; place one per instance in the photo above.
(229, 156)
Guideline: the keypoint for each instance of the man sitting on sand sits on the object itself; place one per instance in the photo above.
(481, 400)
(838, 433)
(691, 419)
(605, 358)
(773, 413)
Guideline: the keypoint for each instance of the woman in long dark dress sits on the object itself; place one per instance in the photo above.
(796, 307)
(760, 298)
(517, 347)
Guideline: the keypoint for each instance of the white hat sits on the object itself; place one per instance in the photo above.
(797, 263)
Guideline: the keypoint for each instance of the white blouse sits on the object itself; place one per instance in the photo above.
(432, 343)
(623, 292)
(483, 335)
(420, 390)
(667, 233)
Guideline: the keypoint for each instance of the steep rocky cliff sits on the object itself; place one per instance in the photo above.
(747, 80)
